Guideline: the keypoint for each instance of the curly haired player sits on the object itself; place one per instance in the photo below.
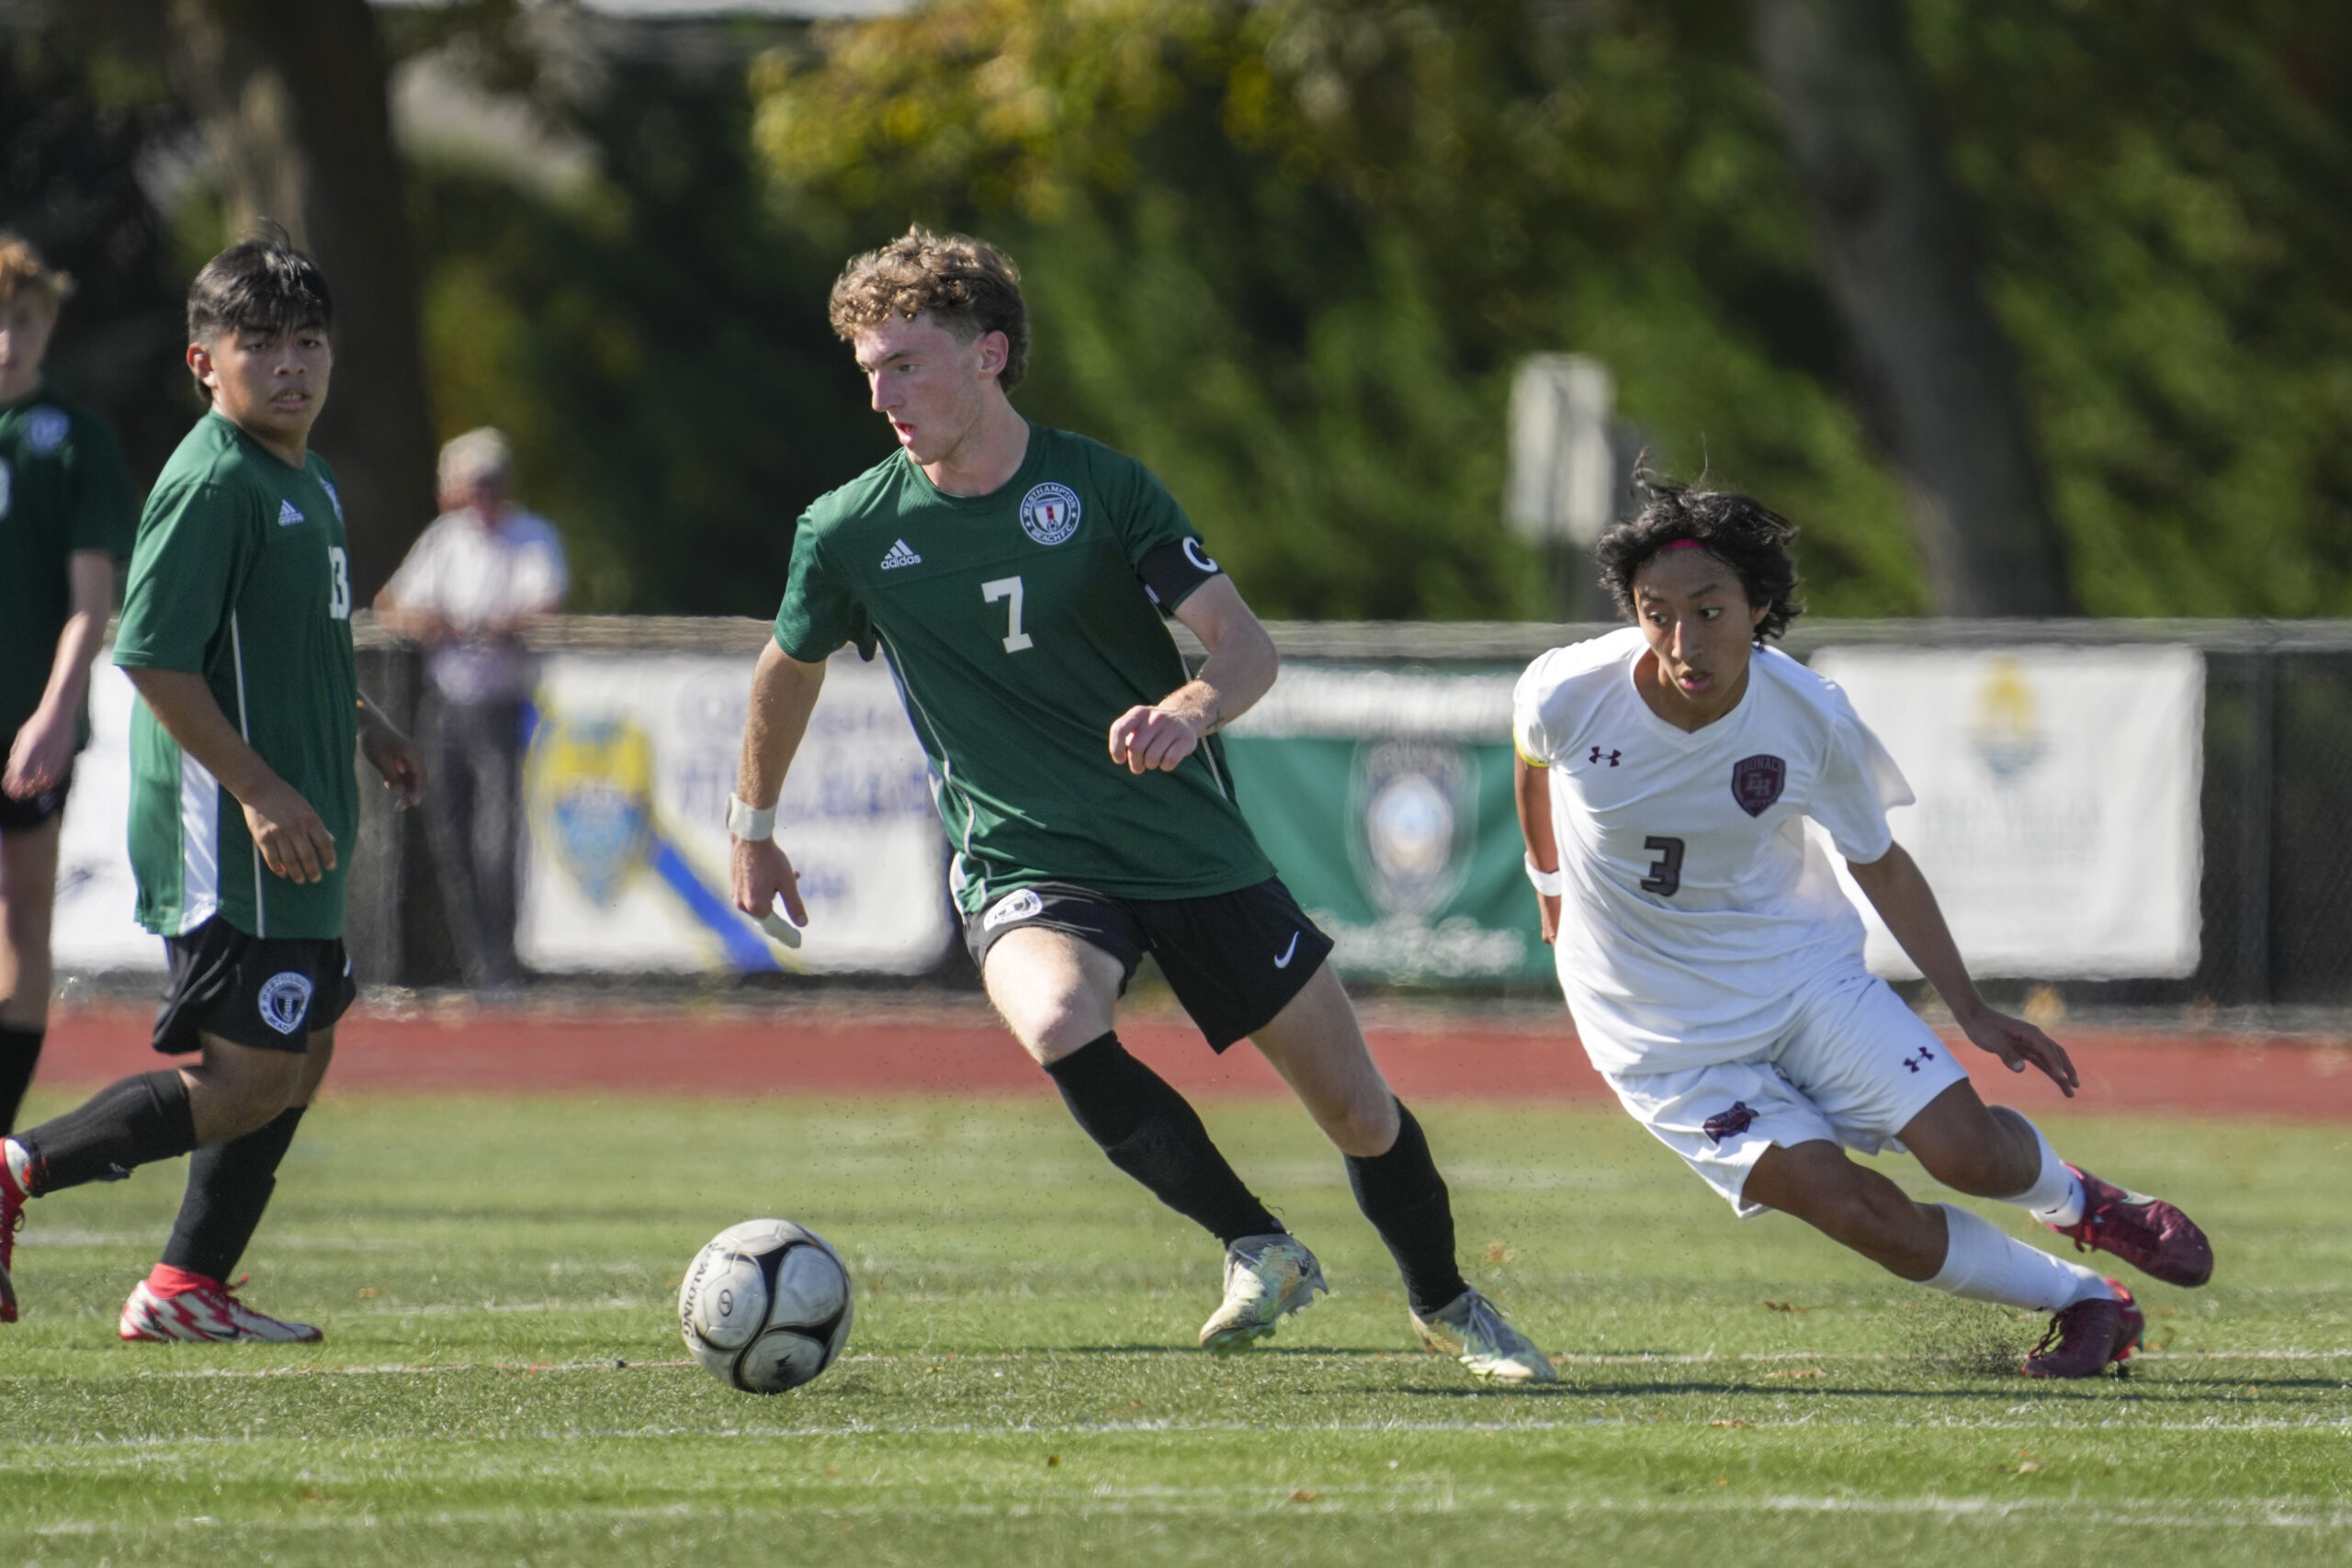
(1714, 967)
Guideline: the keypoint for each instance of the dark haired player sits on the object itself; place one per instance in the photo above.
(1016, 578)
(236, 631)
(67, 510)
(1715, 969)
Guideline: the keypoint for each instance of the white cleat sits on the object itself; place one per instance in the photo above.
(205, 1313)
(1266, 1279)
(1471, 1329)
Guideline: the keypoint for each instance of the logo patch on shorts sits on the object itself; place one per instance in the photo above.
(1729, 1123)
(1013, 906)
(1049, 512)
(286, 1000)
(1756, 783)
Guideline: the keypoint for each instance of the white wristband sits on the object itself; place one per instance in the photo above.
(748, 822)
(1548, 883)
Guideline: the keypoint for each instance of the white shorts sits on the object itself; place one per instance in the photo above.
(1855, 1069)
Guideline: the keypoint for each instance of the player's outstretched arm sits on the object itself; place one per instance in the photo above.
(1899, 891)
(43, 747)
(784, 694)
(293, 841)
(393, 754)
(1239, 670)
(1533, 787)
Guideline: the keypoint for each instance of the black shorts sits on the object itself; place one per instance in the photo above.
(267, 992)
(1235, 960)
(24, 816)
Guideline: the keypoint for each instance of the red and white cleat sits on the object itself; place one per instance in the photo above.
(172, 1304)
(12, 1220)
(2087, 1338)
(2147, 1233)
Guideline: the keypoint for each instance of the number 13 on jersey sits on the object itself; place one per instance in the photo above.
(1015, 640)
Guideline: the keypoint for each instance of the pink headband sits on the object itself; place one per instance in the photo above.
(1680, 545)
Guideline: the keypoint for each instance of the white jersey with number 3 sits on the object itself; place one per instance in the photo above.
(1698, 910)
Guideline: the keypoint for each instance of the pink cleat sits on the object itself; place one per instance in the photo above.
(2147, 1233)
(174, 1305)
(12, 1220)
(2084, 1339)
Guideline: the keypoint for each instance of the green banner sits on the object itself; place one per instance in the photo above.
(1404, 847)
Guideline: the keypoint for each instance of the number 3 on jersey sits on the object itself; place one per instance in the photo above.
(339, 591)
(1015, 640)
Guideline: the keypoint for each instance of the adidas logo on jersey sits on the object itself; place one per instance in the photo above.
(901, 556)
(287, 516)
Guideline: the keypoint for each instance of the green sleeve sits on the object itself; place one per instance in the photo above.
(818, 613)
(1143, 514)
(193, 547)
(104, 511)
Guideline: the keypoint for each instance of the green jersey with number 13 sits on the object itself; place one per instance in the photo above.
(1019, 629)
(241, 575)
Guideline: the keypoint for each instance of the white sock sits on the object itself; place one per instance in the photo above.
(2056, 1196)
(1983, 1265)
(21, 1164)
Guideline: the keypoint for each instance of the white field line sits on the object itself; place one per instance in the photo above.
(987, 1359)
(1225, 1502)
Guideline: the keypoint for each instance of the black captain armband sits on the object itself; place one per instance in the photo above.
(1172, 571)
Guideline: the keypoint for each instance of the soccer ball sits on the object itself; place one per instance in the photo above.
(766, 1307)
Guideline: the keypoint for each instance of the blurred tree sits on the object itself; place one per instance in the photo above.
(293, 99)
(1289, 252)
(1932, 370)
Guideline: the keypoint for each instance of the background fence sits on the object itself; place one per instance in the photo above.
(2276, 883)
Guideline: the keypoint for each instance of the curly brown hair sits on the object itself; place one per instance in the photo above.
(1742, 533)
(965, 285)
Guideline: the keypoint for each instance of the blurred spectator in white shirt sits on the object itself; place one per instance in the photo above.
(483, 571)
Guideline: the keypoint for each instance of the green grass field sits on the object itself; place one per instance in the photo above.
(502, 1382)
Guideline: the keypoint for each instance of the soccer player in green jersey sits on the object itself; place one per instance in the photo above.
(1016, 576)
(66, 514)
(236, 631)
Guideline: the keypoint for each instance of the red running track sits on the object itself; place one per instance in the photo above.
(898, 1052)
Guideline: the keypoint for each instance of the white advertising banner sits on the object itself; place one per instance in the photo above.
(2058, 794)
(95, 893)
(630, 766)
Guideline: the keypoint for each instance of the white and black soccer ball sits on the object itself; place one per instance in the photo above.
(766, 1307)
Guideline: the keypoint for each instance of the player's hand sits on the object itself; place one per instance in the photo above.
(1150, 738)
(396, 756)
(762, 876)
(2020, 1044)
(1548, 906)
(39, 757)
(294, 843)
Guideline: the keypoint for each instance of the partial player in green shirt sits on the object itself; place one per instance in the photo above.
(66, 513)
(236, 631)
(1017, 578)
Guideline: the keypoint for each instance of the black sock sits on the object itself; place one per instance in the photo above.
(1152, 1134)
(123, 1125)
(19, 1050)
(1404, 1197)
(229, 1185)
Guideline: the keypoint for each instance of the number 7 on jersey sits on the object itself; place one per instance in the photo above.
(1015, 640)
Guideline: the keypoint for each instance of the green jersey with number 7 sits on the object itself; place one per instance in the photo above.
(1020, 624)
(241, 575)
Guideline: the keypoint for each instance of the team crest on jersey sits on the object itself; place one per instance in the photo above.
(1049, 512)
(286, 1000)
(1013, 906)
(1756, 783)
(45, 431)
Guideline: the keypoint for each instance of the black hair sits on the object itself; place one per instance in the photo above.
(1743, 533)
(259, 286)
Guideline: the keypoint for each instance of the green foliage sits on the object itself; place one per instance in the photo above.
(1021, 1385)
(1290, 254)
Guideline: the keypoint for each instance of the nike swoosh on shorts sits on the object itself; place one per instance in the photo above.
(1283, 962)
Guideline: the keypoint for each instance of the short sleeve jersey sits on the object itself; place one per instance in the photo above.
(1698, 909)
(1019, 626)
(63, 488)
(241, 576)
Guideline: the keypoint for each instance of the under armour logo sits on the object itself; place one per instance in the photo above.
(1610, 757)
(1925, 1055)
